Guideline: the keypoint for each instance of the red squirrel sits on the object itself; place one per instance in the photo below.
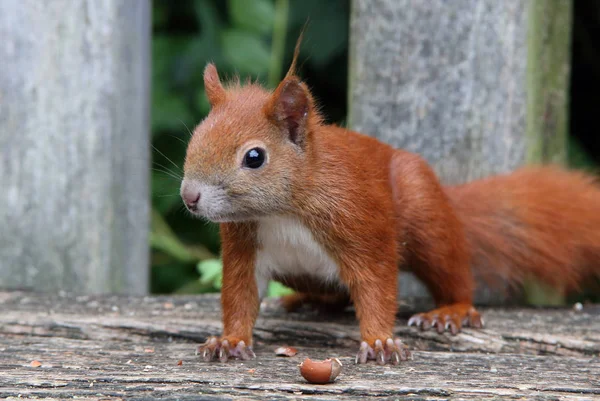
(334, 214)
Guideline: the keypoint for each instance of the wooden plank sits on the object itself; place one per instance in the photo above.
(548, 73)
(130, 347)
(74, 145)
(461, 82)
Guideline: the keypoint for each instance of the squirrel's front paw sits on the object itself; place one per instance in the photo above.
(224, 349)
(392, 351)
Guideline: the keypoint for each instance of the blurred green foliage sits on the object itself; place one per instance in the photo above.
(248, 38)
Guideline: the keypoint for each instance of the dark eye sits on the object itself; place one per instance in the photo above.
(254, 158)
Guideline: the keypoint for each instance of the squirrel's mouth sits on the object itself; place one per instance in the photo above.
(226, 217)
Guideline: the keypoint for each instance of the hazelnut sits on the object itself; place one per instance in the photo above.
(320, 372)
(286, 351)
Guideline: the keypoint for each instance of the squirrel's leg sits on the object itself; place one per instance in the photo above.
(239, 301)
(439, 257)
(373, 290)
(433, 242)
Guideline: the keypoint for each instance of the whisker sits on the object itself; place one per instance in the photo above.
(167, 173)
(188, 129)
(169, 170)
(178, 138)
(165, 156)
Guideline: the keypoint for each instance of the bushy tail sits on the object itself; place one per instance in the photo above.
(538, 221)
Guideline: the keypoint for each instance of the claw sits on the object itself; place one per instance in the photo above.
(208, 354)
(415, 320)
(451, 326)
(395, 356)
(380, 358)
(363, 353)
(208, 350)
(449, 318)
(476, 321)
(379, 352)
(404, 353)
(394, 351)
(223, 350)
(245, 353)
(439, 325)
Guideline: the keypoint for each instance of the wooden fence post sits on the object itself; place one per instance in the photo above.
(475, 86)
(74, 145)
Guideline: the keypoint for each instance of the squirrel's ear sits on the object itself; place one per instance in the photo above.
(288, 108)
(214, 90)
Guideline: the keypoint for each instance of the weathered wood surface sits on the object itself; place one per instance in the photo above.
(74, 145)
(476, 87)
(129, 347)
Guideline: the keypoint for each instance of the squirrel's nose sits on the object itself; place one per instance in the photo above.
(190, 197)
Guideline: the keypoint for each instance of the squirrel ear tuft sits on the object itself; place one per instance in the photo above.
(291, 102)
(212, 85)
(288, 108)
(292, 70)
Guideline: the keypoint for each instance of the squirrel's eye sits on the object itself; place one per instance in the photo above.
(254, 158)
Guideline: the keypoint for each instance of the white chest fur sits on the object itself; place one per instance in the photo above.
(288, 248)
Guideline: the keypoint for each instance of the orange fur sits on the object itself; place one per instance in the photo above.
(540, 221)
(374, 209)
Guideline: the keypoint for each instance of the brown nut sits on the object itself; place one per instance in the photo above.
(286, 351)
(320, 372)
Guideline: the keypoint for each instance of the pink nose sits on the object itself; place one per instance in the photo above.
(190, 197)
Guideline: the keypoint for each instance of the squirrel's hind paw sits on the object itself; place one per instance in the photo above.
(451, 318)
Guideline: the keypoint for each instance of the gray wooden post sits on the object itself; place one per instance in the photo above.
(475, 86)
(74, 145)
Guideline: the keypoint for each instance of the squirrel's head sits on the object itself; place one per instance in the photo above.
(245, 158)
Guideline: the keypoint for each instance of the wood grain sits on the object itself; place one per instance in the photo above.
(129, 347)
(74, 145)
(477, 88)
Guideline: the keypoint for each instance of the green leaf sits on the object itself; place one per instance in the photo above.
(164, 239)
(255, 15)
(211, 271)
(246, 52)
(276, 289)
